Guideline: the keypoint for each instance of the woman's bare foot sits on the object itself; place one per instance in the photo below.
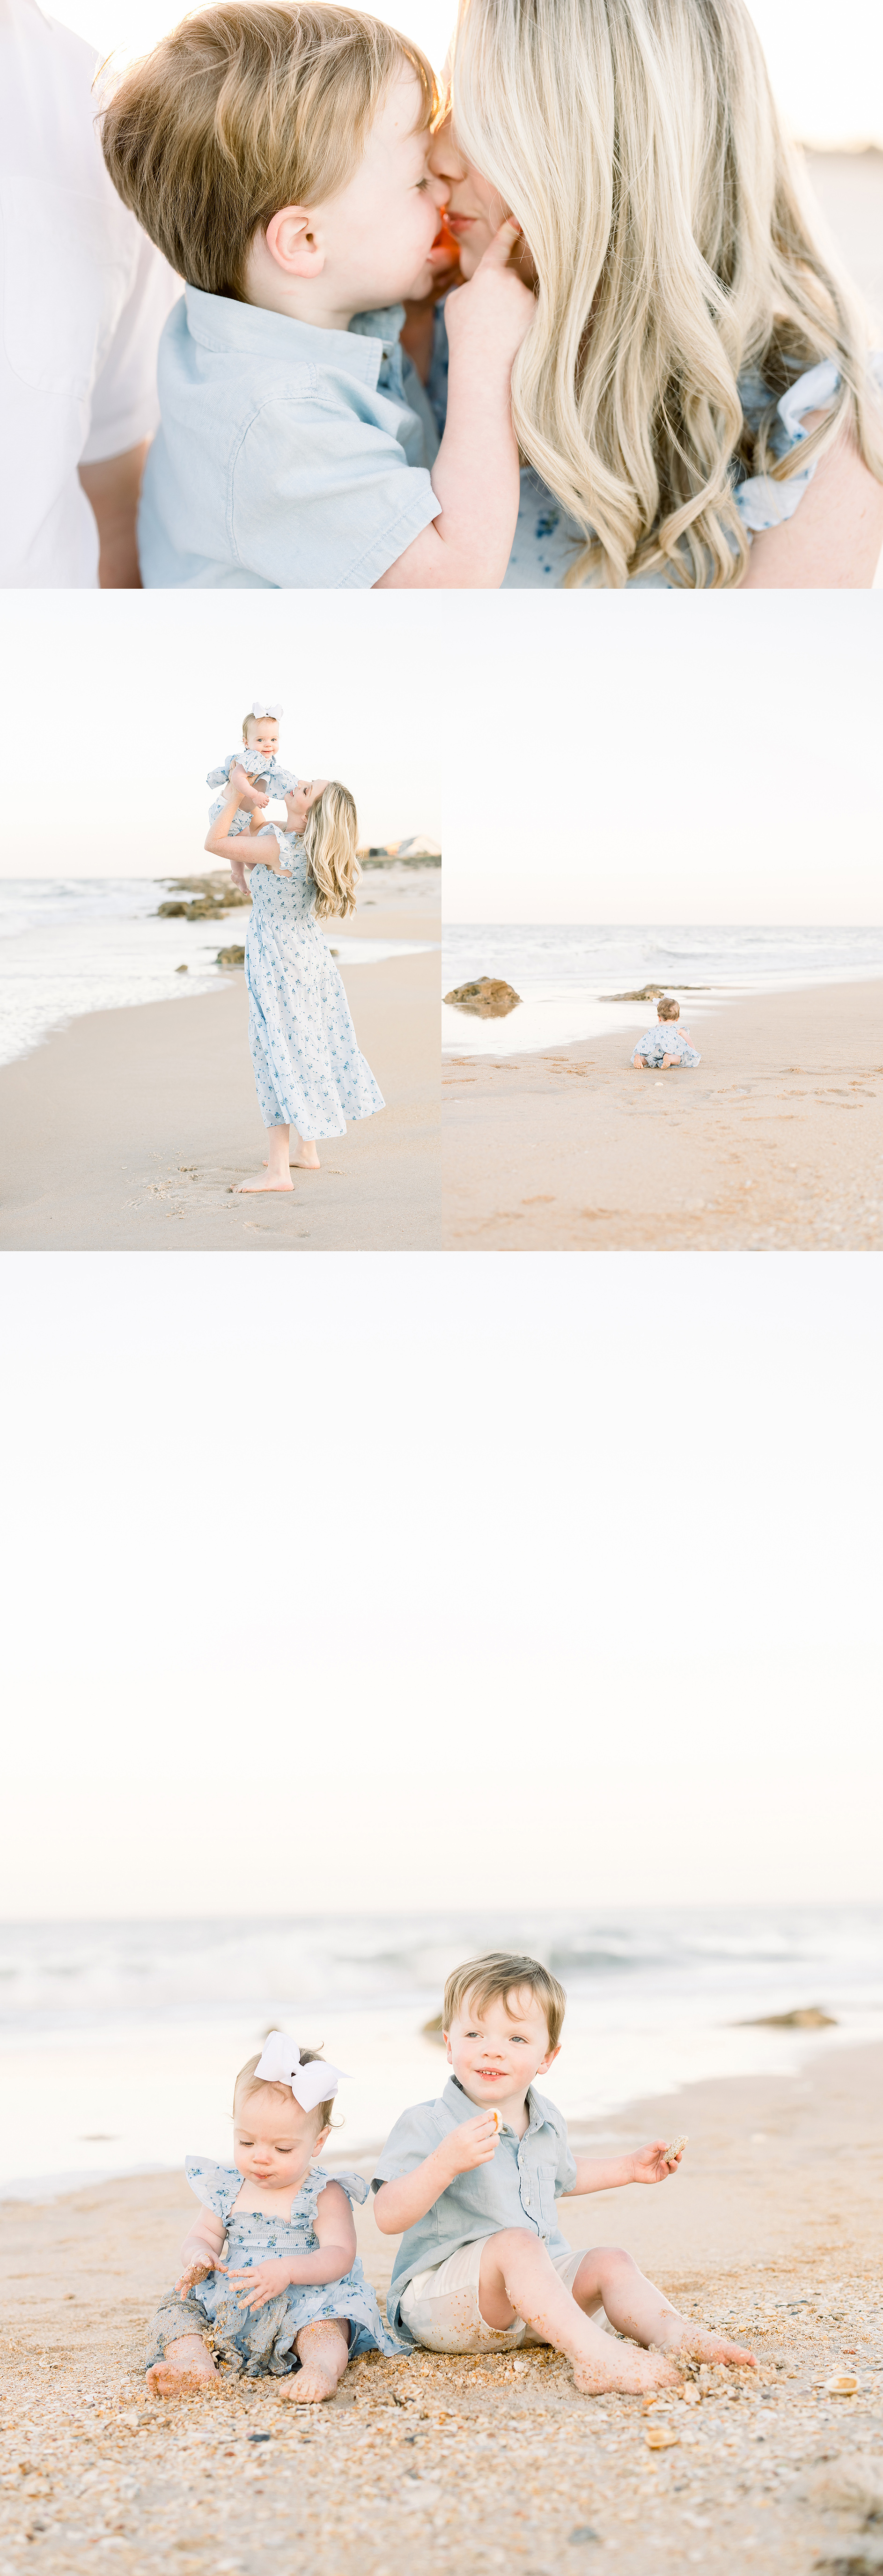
(186, 2365)
(306, 1160)
(272, 1181)
(627, 2370)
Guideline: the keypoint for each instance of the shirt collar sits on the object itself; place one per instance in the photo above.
(370, 345)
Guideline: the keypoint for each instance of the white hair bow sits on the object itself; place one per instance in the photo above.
(281, 2064)
(258, 709)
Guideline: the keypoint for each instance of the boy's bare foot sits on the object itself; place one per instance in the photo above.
(185, 2366)
(282, 1183)
(627, 2371)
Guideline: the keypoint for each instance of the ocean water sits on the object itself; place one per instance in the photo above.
(75, 944)
(564, 975)
(119, 2042)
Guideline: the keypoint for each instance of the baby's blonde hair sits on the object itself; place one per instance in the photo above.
(498, 1975)
(243, 109)
(637, 143)
(247, 2082)
(668, 1010)
(330, 835)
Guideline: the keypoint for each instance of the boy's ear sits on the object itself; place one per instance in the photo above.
(549, 2059)
(292, 243)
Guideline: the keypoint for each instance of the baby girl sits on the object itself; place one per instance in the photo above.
(666, 1044)
(289, 2298)
(256, 773)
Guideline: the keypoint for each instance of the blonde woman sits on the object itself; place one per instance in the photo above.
(695, 402)
(307, 1066)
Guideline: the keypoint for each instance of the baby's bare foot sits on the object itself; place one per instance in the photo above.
(697, 2346)
(283, 1183)
(310, 2386)
(184, 2367)
(626, 2370)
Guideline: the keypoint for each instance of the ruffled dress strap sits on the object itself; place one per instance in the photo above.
(216, 2185)
(761, 503)
(353, 2184)
(218, 777)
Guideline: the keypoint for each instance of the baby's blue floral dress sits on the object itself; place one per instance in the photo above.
(667, 1038)
(252, 2342)
(275, 781)
(308, 1069)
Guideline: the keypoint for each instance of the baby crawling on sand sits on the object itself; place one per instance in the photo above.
(287, 2298)
(667, 1044)
(473, 2181)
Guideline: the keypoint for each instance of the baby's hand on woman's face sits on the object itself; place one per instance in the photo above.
(495, 310)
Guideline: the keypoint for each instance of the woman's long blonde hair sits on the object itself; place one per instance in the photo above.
(638, 145)
(330, 834)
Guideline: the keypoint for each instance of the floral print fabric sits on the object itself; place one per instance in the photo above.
(308, 1070)
(255, 2342)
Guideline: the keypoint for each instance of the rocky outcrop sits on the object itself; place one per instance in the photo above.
(489, 999)
(805, 2017)
(211, 897)
(230, 957)
(652, 993)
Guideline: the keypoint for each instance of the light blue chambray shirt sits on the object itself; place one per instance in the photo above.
(288, 458)
(519, 2188)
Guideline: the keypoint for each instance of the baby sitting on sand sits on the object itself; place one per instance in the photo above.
(258, 775)
(289, 2299)
(472, 2180)
(666, 1044)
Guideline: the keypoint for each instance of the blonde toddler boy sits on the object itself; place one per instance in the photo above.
(278, 155)
(473, 2181)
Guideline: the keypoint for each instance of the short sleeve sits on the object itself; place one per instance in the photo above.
(125, 406)
(353, 2184)
(323, 500)
(412, 2139)
(565, 2171)
(219, 777)
(217, 2186)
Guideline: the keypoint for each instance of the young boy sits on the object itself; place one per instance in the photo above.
(278, 153)
(473, 2179)
(666, 1044)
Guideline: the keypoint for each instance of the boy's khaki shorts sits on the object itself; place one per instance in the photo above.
(440, 2307)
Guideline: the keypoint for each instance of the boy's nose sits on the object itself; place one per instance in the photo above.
(441, 190)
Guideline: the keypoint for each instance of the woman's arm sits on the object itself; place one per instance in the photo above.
(251, 849)
(833, 541)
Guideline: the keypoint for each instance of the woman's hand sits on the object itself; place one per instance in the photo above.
(264, 2281)
(495, 310)
(651, 2164)
(198, 2269)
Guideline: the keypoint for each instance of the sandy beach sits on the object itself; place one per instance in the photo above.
(771, 2231)
(773, 1143)
(130, 1129)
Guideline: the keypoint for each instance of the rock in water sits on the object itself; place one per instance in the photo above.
(180, 970)
(489, 999)
(230, 957)
(806, 2017)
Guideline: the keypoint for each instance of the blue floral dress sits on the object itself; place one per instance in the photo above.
(253, 2342)
(667, 1038)
(274, 780)
(307, 1066)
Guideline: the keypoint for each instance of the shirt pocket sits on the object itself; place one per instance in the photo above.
(67, 269)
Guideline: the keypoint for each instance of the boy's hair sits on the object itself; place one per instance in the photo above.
(481, 1980)
(248, 2083)
(330, 834)
(242, 109)
(667, 1010)
(253, 720)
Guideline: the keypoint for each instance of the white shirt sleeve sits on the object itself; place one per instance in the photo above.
(124, 406)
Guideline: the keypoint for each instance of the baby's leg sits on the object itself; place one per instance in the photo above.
(518, 2278)
(185, 2364)
(609, 2278)
(323, 2351)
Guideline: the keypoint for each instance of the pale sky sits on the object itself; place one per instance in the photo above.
(829, 84)
(611, 1628)
(129, 697)
(643, 757)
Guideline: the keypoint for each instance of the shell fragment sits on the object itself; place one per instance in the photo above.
(845, 2385)
(659, 2437)
(675, 2149)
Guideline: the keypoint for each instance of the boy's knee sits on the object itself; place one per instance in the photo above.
(615, 2259)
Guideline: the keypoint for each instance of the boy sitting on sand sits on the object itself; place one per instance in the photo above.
(473, 2179)
(666, 1044)
(277, 152)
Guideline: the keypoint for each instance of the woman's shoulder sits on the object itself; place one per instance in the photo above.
(217, 2186)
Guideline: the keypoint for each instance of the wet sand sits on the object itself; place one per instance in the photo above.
(771, 2232)
(773, 1143)
(129, 1130)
